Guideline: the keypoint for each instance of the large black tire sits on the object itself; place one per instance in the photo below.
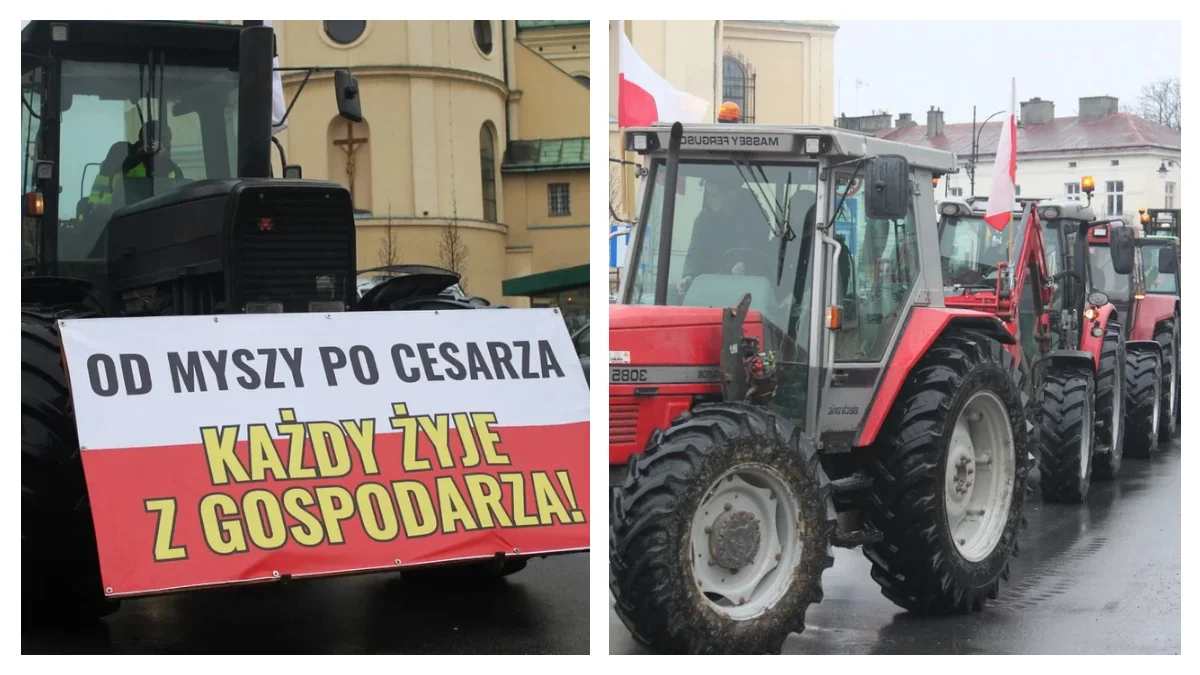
(1167, 335)
(1143, 386)
(918, 565)
(651, 557)
(60, 569)
(1110, 400)
(1068, 407)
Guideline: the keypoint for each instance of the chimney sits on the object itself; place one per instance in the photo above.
(1036, 111)
(905, 120)
(1096, 107)
(934, 125)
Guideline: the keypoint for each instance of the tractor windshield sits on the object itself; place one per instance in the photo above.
(1104, 278)
(726, 239)
(110, 112)
(1157, 281)
(972, 252)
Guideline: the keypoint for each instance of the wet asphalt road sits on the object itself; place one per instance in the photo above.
(540, 610)
(1097, 579)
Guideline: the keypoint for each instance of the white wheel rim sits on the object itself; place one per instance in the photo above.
(1157, 406)
(980, 476)
(1085, 440)
(1118, 403)
(757, 492)
(1174, 382)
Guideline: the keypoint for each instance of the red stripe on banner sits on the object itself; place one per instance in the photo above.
(1012, 148)
(163, 523)
(636, 107)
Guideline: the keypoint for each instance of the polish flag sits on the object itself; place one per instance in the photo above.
(644, 97)
(1002, 198)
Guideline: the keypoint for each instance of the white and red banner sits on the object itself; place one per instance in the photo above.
(256, 447)
(1002, 198)
(644, 97)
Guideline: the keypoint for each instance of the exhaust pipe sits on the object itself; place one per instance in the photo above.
(668, 213)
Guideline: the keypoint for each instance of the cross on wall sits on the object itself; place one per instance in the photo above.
(350, 145)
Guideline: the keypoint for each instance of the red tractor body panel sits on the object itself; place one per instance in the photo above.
(1089, 342)
(1148, 311)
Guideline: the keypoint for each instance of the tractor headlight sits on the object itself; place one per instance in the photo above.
(949, 209)
(1051, 213)
(639, 141)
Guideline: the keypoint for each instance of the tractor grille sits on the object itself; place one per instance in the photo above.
(305, 252)
(622, 422)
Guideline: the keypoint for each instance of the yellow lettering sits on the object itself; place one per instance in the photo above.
(401, 420)
(164, 530)
(308, 532)
(362, 435)
(488, 438)
(335, 514)
(271, 534)
(215, 510)
(329, 445)
(264, 456)
(564, 479)
(437, 428)
(487, 504)
(467, 436)
(295, 433)
(219, 447)
(548, 502)
(381, 526)
(416, 524)
(453, 507)
(517, 481)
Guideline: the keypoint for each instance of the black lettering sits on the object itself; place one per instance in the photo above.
(523, 346)
(456, 370)
(110, 387)
(332, 359)
(549, 362)
(241, 359)
(501, 356)
(140, 384)
(362, 361)
(269, 381)
(427, 361)
(292, 361)
(191, 377)
(410, 375)
(476, 362)
(217, 363)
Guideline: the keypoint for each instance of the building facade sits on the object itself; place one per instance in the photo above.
(778, 72)
(473, 151)
(1134, 162)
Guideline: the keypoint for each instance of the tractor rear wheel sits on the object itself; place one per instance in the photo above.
(950, 478)
(1110, 404)
(1143, 403)
(1068, 417)
(720, 534)
(60, 569)
(1167, 335)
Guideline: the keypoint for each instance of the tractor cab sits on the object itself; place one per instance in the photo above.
(143, 143)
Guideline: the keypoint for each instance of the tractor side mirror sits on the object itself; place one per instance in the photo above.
(1121, 246)
(349, 104)
(1168, 261)
(887, 187)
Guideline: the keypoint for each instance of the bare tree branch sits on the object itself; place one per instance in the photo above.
(389, 250)
(452, 250)
(1160, 103)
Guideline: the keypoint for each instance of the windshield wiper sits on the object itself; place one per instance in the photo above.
(778, 220)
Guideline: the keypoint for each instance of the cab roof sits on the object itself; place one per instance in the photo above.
(844, 143)
(130, 40)
(1068, 209)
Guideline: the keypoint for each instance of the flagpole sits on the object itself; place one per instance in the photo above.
(1012, 111)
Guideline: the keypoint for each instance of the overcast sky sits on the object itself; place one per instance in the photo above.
(907, 66)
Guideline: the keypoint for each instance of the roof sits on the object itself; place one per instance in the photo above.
(534, 25)
(553, 154)
(1063, 134)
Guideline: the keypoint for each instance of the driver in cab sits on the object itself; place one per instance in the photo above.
(730, 220)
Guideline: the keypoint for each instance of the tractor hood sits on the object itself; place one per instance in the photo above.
(622, 317)
(641, 335)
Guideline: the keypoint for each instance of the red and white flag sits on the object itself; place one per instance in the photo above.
(1002, 198)
(644, 97)
(278, 107)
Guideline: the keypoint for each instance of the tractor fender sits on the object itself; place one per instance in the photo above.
(1076, 357)
(1143, 346)
(1091, 343)
(1151, 310)
(923, 326)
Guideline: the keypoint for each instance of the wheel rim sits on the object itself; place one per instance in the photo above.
(745, 542)
(1174, 383)
(1085, 439)
(1118, 404)
(1157, 406)
(980, 475)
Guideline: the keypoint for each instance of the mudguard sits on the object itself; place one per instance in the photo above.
(1143, 346)
(1150, 311)
(922, 328)
(1077, 357)
(1091, 343)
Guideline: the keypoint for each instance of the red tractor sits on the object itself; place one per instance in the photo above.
(1152, 316)
(785, 375)
(1031, 277)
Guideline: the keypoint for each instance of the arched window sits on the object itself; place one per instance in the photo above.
(738, 84)
(487, 165)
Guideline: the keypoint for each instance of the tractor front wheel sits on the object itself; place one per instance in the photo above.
(1110, 404)
(1068, 417)
(950, 476)
(1143, 403)
(1167, 335)
(720, 533)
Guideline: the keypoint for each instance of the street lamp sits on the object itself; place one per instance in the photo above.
(1163, 170)
(975, 144)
